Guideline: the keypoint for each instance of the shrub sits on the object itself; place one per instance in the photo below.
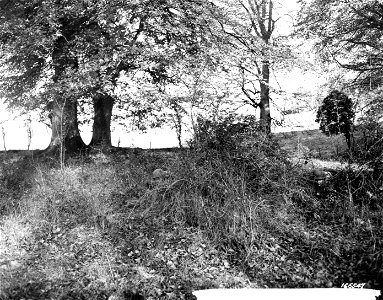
(243, 148)
(235, 183)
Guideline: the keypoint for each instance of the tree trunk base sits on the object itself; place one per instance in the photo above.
(71, 146)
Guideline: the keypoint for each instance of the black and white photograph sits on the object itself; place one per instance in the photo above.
(191, 149)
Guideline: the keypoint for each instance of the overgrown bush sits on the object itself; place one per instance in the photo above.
(243, 148)
(234, 183)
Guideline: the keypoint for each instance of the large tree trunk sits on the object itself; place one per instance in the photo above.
(63, 110)
(265, 116)
(103, 107)
(65, 134)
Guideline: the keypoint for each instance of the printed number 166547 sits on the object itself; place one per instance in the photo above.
(353, 285)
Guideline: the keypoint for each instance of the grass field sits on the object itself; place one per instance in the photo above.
(312, 143)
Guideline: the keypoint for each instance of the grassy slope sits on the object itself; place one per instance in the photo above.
(102, 229)
(312, 143)
(87, 232)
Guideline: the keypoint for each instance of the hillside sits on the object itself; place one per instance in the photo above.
(102, 228)
(312, 143)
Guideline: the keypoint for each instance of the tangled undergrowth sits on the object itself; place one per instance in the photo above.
(232, 214)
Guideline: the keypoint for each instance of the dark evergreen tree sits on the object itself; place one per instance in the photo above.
(336, 115)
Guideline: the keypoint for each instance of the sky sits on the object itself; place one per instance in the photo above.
(14, 134)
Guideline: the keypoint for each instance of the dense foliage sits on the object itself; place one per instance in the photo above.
(59, 56)
(348, 33)
(59, 53)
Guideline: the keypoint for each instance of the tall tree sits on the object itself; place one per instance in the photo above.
(63, 108)
(37, 46)
(251, 24)
(73, 50)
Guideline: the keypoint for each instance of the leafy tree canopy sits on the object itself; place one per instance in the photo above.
(100, 39)
(349, 33)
